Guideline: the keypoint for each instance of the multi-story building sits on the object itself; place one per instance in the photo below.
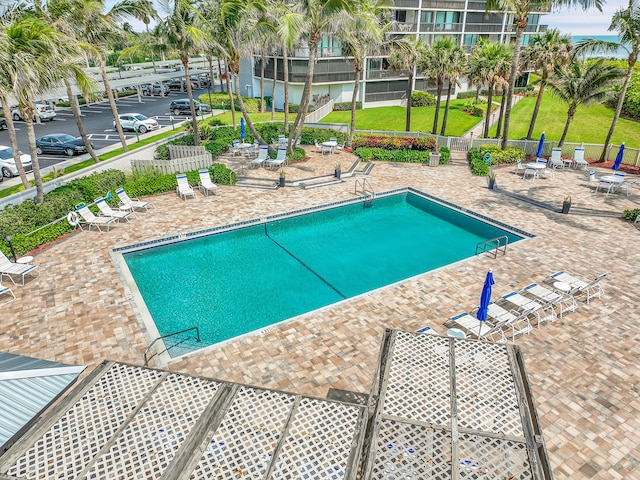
(464, 20)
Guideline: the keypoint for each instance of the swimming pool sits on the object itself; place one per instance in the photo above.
(243, 278)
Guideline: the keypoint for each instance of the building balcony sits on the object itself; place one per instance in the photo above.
(407, 3)
(382, 74)
(403, 27)
(447, 27)
(483, 28)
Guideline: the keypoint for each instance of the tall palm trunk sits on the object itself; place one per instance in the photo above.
(314, 41)
(262, 60)
(184, 58)
(273, 90)
(220, 76)
(285, 72)
(446, 109)
(112, 103)
(232, 105)
(536, 109)
(13, 139)
(153, 57)
(623, 91)
(35, 163)
(521, 24)
(478, 93)
(570, 113)
(503, 107)
(357, 67)
(485, 132)
(407, 118)
(243, 109)
(73, 102)
(211, 77)
(439, 81)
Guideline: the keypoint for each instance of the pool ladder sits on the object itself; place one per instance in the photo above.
(366, 190)
(493, 246)
(147, 357)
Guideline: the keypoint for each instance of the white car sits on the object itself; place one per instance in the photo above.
(133, 121)
(8, 164)
(45, 112)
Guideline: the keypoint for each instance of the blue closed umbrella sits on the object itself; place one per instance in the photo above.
(540, 146)
(616, 164)
(485, 300)
(243, 135)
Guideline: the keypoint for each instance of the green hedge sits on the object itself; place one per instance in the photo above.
(216, 100)
(380, 154)
(445, 156)
(395, 143)
(630, 215)
(294, 107)
(499, 156)
(469, 94)
(346, 106)
(477, 166)
(422, 99)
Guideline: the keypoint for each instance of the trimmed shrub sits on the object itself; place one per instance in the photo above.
(477, 166)
(309, 135)
(630, 215)
(445, 155)
(218, 99)
(499, 156)
(469, 94)
(395, 143)
(346, 106)
(223, 175)
(380, 154)
(422, 99)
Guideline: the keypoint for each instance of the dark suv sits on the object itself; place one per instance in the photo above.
(178, 107)
(155, 89)
(3, 124)
(181, 85)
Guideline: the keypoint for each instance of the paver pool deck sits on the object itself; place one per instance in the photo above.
(583, 369)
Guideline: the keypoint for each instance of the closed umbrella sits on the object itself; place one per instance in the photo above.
(540, 146)
(485, 300)
(616, 164)
(243, 135)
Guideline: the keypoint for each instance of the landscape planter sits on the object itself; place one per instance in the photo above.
(337, 174)
(281, 182)
(565, 207)
(492, 184)
(434, 159)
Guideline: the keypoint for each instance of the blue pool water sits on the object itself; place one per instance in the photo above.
(242, 280)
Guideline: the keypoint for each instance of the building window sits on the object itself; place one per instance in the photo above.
(447, 21)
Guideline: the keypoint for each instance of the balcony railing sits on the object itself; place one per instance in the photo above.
(381, 74)
(407, 3)
(383, 96)
(483, 27)
(447, 27)
(403, 27)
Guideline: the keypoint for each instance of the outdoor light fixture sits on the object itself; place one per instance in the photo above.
(8, 238)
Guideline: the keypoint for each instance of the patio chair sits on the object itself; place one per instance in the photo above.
(280, 160)
(556, 158)
(626, 187)
(234, 150)
(317, 146)
(530, 171)
(564, 303)
(340, 148)
(183, 189)
(472, 326)
(327, 149)
(205, 184)
(263, 154)
(427, 330)
(591, 289)
(543, 312)
(520, 168)
(10, 269)
(578, 158)
(7, 291)
(516, 321)
(89, 219)
(131, 203)
(107, 211)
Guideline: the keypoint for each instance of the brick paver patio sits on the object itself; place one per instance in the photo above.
(583, 369)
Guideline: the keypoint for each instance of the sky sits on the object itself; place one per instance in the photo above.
(575, 21)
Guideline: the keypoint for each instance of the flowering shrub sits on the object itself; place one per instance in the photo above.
(395, 143)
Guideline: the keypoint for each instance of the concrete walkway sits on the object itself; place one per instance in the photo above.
(478, 130)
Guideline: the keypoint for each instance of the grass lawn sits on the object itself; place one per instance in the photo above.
(393, 118)
(590, 124)
(225, 118)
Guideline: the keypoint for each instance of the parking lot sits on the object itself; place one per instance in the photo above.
(98, 122)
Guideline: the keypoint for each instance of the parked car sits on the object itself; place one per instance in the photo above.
(181, 85)
(155, 89)
(45, 112)
(8, 164)
(178, 107)
(133, 121)
(3, 124)
(60, 143)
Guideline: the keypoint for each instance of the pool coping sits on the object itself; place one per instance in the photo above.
(147, 324)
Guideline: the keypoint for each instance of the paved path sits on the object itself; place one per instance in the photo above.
(477, 131)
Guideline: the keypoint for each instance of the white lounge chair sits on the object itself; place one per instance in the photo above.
(7, 291)
(475, 328)
(205, 184)
(10, 269)
(591, 289)
(514, 320)
(132, 203)
(543, 312)
(578, 158)
(556, 158)
(89, 219)
(263, 154)
(280, 160)
(183, 189)
(564, 303)
(107, 211)
(427, 330)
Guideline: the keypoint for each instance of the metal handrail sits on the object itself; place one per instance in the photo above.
(493, 245)
(146, 360)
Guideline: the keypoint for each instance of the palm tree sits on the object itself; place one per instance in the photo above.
(626, 23)
(543, 53)
(456, 64)
(520, 9)
(406, 55)
(435, 64)
(362, 37)
(184, 29)
(581, 83)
